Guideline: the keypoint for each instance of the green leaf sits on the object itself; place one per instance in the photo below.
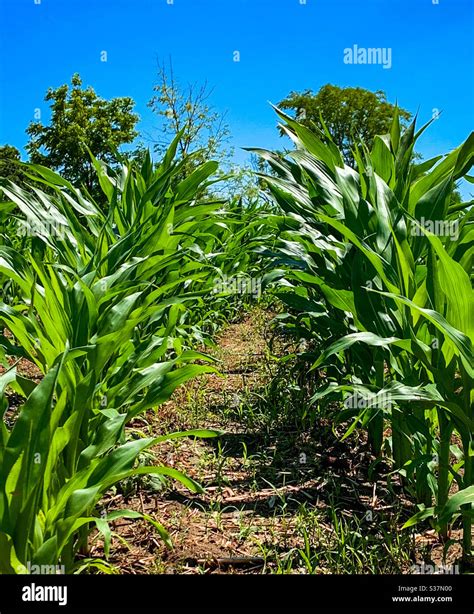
(462, 497)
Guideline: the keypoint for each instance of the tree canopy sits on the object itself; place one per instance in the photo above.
(9, 169)
(81, 120)
(349, 113)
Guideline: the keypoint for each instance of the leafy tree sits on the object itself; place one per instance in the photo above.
(9, 169)
(350, 114)
(80, 119)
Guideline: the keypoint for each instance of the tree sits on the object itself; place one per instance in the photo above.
(80, 119)
(350, 114)
(204, 135)
(9, 167)
(204, 131)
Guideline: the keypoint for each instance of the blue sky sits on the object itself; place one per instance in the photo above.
(284, 45)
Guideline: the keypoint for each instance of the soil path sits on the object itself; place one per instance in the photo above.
(264, 482)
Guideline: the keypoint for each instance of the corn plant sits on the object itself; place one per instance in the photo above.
(218, 237)
(96, 308)
(386, 299)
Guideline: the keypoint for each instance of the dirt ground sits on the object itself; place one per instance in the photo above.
(276, 498)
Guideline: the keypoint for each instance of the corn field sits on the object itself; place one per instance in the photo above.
(116, 303)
